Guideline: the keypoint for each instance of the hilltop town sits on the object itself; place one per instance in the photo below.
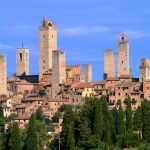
(59, 84)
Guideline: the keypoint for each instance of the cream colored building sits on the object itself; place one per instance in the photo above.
(144, 74)
(22, 61)
(123, 56)
(47, 44)
(3, 74)
(87, 72)
(109, 63)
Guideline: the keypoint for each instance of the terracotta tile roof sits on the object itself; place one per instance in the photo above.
(84, 85)
(102, 82)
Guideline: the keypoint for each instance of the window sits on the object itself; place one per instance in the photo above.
(20, 56)
(122, 62)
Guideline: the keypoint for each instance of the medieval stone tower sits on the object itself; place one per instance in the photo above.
(58, 71)
(123, 56)
(22, 61)
(144, 70)
(109, 63)
(47, 43)
(3, 74)
(87, 72)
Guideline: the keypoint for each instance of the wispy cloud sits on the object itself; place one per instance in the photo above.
(83, 31)
(133, 34)
(6, 46)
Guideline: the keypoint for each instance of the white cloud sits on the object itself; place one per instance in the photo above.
(83, 31)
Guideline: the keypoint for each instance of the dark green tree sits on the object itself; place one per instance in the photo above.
(129, 119)
(98, 120)
(32, 142)
(15, 141)
(39, 114)
(120, 121)
(145, 109)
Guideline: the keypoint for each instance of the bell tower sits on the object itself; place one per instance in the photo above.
(123, 56)
(47, 44)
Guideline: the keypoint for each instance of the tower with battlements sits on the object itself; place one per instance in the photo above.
(47, 44)
(22, 61)
(58, 71)
(87, 72)
(3, 75)
(144, 72)
(109, 63)
(123, 56)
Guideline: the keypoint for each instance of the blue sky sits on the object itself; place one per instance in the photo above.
(85, 29)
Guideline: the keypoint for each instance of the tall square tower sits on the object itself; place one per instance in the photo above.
(47, 43)
(58, 71)
(3, 74)
(109, 63)
(22, 61)
(123, 56)
(87, 72)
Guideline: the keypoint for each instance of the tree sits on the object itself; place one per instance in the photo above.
(32, 142)
(98, 120)
(15, 142)
(145, 109)
(120, 121)
(39, 114)
(129, 120)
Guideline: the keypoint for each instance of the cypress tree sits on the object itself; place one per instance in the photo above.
(145, 109)
(15, 142)
(129, 120)
(120, 121)
(98, 120)
(106, 136)
(70, 139)
(32, 139)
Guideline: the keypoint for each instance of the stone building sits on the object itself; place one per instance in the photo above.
(87, 72)
(3, 75)
(109, 63)
(123, 56)
(144, 73)
(58, 71)
(47, 43)
(22, 61)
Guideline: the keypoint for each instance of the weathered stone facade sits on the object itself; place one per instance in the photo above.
(123, 56)
(144, 74)
(3, 74)
(22, 61)
(109, 63)
(87, 72)
(47, 43)
(58, 71)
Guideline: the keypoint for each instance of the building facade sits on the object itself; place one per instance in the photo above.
(87, 72)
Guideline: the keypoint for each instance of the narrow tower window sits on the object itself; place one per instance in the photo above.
(20, 55)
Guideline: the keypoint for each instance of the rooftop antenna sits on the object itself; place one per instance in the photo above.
(22, 45)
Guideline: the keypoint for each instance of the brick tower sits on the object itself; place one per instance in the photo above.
(123, 56)
(47, 43)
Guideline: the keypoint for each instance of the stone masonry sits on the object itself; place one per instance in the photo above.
(87, 72)
(47, 43)
(22, 61)
(58, 71)
(144, 74)
(109, 63)
(123, 56)
(3, 74)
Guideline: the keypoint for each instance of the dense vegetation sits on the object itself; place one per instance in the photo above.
(89, 127)
(95, 127)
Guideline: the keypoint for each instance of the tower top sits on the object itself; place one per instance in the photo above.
(123, 38)
(47, 23)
